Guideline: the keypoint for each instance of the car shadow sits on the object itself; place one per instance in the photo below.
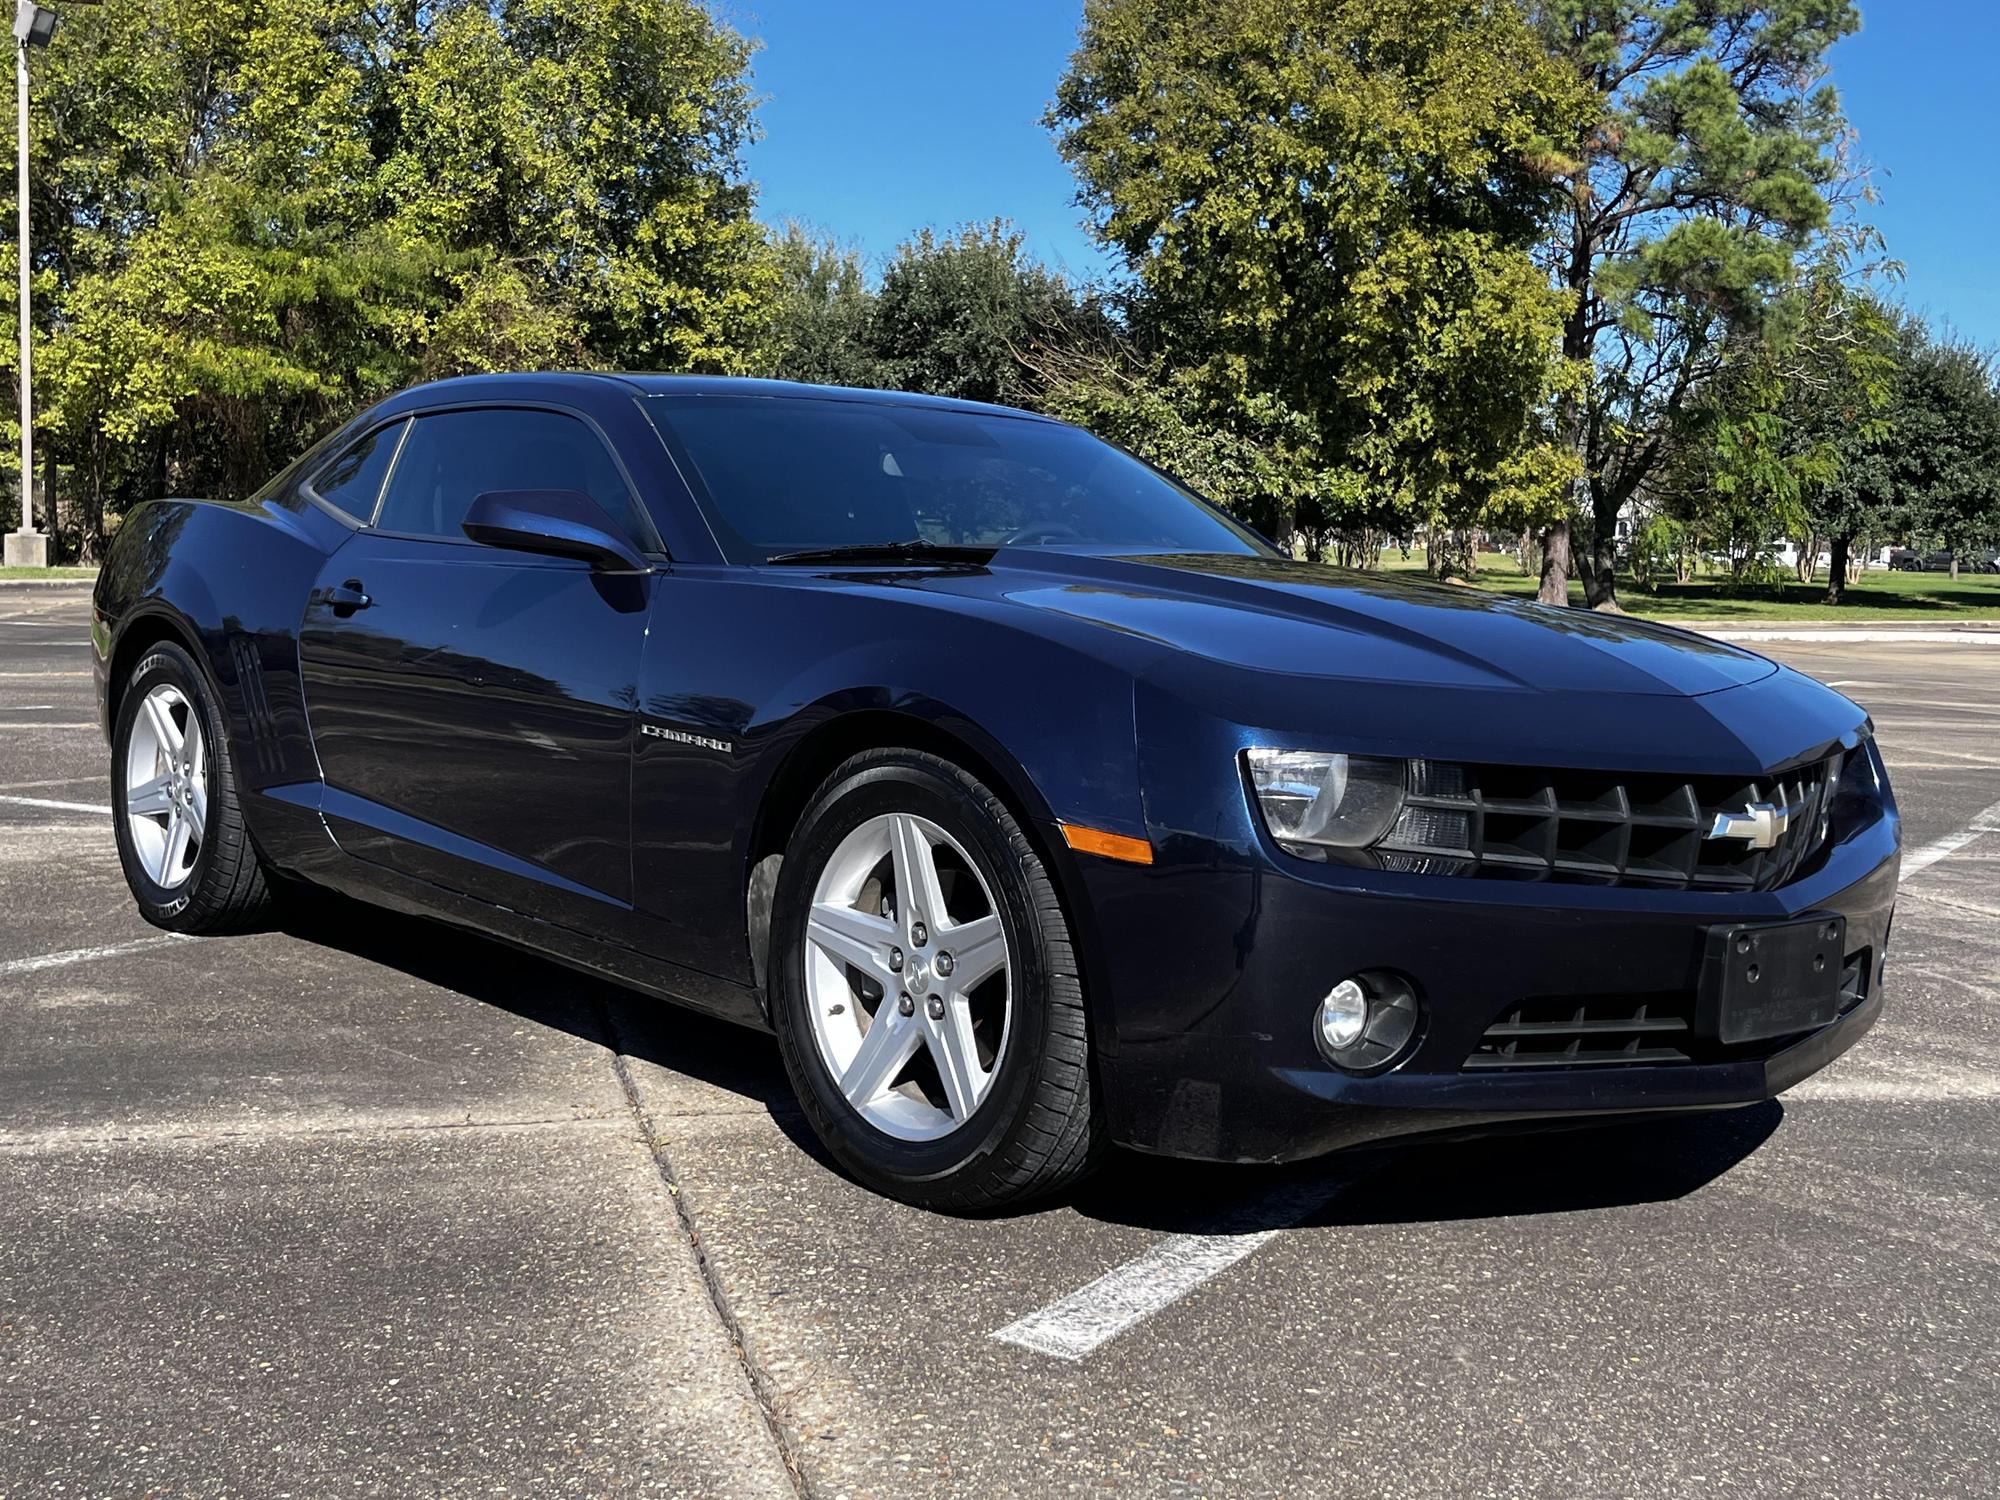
(536, 989)
(1511, 1172)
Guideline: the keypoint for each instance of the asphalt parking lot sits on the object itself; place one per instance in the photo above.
(367, 1206)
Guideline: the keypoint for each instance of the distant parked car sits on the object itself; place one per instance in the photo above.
(1903, 560)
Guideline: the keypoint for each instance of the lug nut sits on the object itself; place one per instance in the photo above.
(919, 934)
(895, 960)
(906, 1005)
(942, 964)
(935, 1007)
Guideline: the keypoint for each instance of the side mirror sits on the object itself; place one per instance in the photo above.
(560, 523)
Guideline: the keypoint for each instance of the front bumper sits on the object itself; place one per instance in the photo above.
(1212, 961)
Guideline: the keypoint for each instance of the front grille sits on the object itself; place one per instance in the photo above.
(1603, 827)
(1657, 1029)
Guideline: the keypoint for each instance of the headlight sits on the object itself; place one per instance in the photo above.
(1319, 799)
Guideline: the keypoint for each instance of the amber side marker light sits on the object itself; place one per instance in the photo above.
(1110, 845)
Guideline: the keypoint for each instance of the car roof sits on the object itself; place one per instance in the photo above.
(555, 383)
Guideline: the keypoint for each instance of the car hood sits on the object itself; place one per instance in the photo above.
(1308, 620)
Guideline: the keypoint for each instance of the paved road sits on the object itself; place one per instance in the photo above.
(370, 1207)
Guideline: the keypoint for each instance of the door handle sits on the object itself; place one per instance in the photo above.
(345, 598)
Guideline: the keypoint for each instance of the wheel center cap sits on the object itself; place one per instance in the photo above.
(918, 979)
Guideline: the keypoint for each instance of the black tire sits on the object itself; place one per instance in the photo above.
(1039, 1127)
(226, 890)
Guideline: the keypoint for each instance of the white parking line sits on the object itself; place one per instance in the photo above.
(1091, 1316)
(86, 955)
(1930, 854)
(44, 802)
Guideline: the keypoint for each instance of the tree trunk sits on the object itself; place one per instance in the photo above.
(1555, 564)
(1836, 574)
(1954, 567)
(1600, 573)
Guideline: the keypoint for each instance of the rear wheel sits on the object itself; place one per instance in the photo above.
(926, 993)
(181, 839)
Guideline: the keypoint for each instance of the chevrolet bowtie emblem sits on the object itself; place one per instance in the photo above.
(1760, 825)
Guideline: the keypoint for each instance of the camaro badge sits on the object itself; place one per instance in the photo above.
(682, 737)
(1760, 825)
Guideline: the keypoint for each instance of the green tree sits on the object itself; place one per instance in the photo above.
(824, 314)
(1840, 408)
(1940, 475)
(1328, 207)
(956, 314)
(1762, 447)
(1690, 193)
(1258, 467)
(208, 287)
(593, 147)
(254, 216)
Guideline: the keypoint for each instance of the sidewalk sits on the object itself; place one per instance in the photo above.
(1750, 632)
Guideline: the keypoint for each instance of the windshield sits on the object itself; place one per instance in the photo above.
(778, 474)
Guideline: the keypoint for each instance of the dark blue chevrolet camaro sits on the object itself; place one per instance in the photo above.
(1032, 802)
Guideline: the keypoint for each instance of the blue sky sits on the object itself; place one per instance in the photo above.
(882, 116)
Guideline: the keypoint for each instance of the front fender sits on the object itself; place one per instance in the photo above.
(744, 677)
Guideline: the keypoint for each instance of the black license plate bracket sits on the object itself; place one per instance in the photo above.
(1768, 979)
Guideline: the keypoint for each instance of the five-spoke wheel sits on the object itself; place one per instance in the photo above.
(925, 989)
(181, 840)
(166, 786)
(907, 977)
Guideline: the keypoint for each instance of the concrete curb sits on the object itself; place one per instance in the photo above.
(1848, 635)
(48, 583)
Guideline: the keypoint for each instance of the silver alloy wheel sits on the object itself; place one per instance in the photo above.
(166, 786)
(907, 977)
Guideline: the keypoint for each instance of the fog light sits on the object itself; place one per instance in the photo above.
(1342, 1015)
(1370, 1021)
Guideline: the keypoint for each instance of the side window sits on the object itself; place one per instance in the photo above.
(453, 457)
(354, 479)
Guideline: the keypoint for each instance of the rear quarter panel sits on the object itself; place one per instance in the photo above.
(231, 580)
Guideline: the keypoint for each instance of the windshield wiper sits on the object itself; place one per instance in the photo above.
(916, 549)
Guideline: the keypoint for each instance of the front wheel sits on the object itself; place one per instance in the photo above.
(186, 854)
(926, 993)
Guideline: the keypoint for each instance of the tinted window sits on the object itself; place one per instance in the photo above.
(454, 457)
(784, 474)
(354, 479)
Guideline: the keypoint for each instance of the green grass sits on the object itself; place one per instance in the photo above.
(1878, 596)
(83, 574)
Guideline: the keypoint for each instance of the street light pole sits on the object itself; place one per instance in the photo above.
(33, 26)
(27, 348)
